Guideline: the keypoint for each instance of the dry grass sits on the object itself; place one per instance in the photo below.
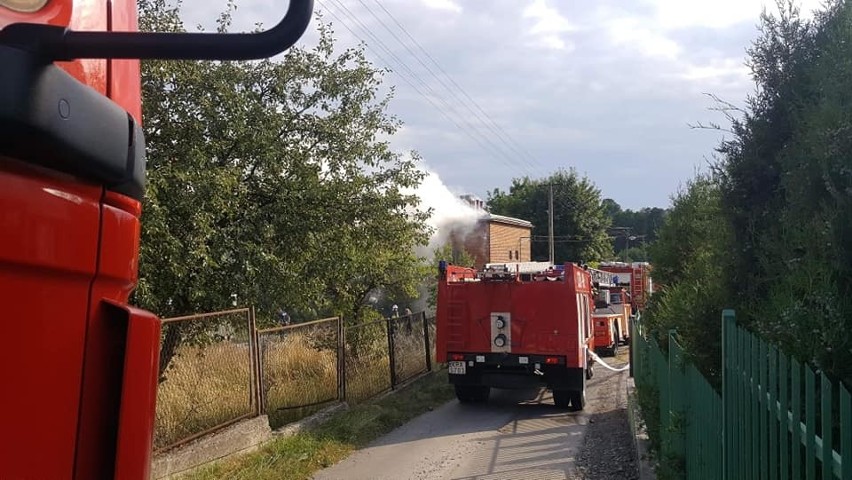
(204, 387)
(208, 386)
(297, 370)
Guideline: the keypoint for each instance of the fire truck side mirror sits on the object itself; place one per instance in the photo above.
(50, 43)
(51, 119)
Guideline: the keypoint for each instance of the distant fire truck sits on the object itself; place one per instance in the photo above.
(611, 319)
(636, 276)
(517, 325)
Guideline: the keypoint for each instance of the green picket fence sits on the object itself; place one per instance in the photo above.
(775, 419)
(690, 411)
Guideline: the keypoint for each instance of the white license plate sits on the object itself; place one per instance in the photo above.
(457, 368)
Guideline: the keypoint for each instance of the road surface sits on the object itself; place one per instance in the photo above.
(516, 435)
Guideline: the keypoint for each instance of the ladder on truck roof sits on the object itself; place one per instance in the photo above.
(601, 278)
(637, 280)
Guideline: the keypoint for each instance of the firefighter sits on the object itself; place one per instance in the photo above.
(283, 318)
(408, 319)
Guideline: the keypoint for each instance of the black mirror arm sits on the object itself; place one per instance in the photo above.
(58, 43)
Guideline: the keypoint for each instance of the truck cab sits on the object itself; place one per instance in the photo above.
(79, 365)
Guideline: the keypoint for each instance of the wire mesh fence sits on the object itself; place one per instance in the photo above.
(409, 347)
(299, 369)
(366, 360)
(218, 368)
(206, 378)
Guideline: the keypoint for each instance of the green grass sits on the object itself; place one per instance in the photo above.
(301, 455)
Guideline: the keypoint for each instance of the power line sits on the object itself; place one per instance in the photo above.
(486, 144)
(488, 121)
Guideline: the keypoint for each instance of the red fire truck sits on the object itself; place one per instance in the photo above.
(79, 366)
(516, 326)
(636, 276)
(611, 319)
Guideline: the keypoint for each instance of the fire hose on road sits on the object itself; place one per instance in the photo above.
(598, 359)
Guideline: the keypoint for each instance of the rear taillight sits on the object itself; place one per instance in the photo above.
(551, 360)
(457, 357)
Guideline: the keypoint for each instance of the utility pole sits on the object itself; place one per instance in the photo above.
(550, 224)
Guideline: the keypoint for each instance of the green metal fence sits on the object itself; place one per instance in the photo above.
(690, 411)
(775, 418)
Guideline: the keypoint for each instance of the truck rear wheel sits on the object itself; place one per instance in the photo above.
(562, 398)
(578, 400)
(472, 393)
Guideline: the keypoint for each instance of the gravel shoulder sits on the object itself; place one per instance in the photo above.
(607, 452)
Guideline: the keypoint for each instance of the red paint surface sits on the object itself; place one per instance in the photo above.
(79, 366)
(48, 252)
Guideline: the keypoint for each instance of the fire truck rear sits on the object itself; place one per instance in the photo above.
(521, 325)
(611, 319)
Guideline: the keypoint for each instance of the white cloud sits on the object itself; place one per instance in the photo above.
(548, 26)
(674, 14)
(449, 5)
(717, 70)
(632, 35)
(671, 14)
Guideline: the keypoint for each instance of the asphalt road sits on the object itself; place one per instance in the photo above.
(516, 435)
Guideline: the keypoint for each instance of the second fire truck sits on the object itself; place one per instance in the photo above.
(517, 325)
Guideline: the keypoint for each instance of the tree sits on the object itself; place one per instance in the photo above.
(769, 232)
(642, 224)
(266, 180)
(690, 261)
(786, 183)
(579, 220)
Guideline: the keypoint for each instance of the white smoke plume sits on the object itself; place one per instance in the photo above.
(449, 212)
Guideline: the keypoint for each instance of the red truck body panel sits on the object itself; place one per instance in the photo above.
(79, 366)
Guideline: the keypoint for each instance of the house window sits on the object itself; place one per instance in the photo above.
(517, 257)
(510, 254)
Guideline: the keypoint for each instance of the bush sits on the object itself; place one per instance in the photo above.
(690, 260)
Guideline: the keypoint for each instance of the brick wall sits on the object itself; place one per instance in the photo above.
(508, 242)
(490, 242)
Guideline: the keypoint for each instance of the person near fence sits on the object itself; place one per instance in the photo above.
(408, 319)
(395, 311)
(283, 318)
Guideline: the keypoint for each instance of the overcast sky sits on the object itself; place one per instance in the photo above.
(605, 86)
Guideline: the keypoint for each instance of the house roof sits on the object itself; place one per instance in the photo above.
(508, 220)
